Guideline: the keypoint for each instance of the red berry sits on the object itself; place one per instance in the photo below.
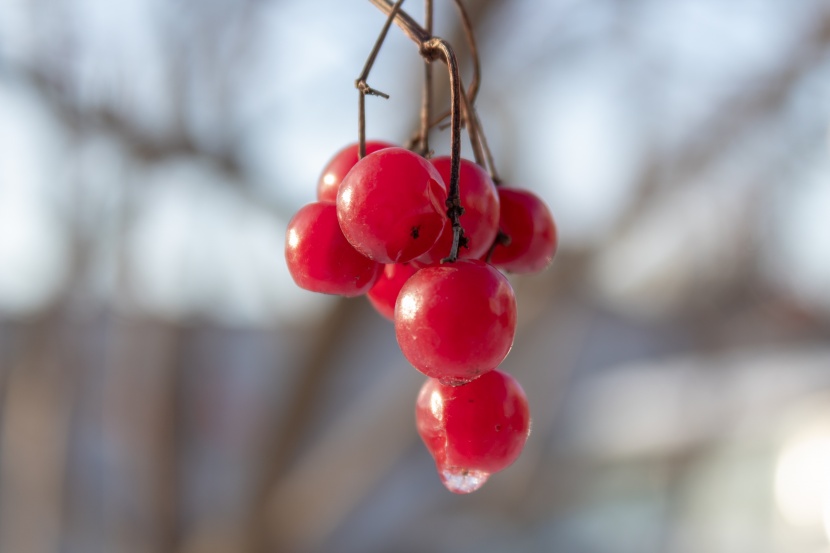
(339, 165)
(320, 258)
(533, 238)
(475, 430)
(456, 321)
(480, 220)
(385, 291)
(391, 205)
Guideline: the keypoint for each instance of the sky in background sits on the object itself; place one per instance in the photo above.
(575, 105)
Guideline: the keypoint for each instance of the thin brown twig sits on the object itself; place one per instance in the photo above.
(430, 51)
(475, 83)
(481, 151)
(488, 155)
(432, 48)
(426, 105)
(473, 130)
(501, 239)
(409, 26)
(467, 26)
(364, 88)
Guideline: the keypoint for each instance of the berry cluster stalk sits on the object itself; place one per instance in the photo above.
(432, 48)
(481, 150)
(478, 140)
(364, 88)
(426, 105)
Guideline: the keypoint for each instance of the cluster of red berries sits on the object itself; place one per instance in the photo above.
(381, 227)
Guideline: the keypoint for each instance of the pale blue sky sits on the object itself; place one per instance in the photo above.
(576, 97)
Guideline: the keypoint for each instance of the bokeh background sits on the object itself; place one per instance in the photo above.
(165, 387)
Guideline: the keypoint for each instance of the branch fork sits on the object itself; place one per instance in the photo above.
(433, 48)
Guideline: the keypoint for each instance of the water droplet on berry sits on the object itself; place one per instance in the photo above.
(461, 480)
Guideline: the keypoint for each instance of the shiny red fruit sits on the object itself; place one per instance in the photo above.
(533, 238)
(480, 220)
(456, 321)
(340, 164)
(391, 205)
(320, 258)
(385, 291)
(474, 430)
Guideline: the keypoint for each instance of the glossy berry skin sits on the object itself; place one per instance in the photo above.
(391, 205)
(480, 427)
(480, 220)
(385, 291)
(320, 258)
(340, 165)
(533, 237)
(456, 321)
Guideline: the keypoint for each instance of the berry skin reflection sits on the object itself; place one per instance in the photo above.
(391, 205)
(340, 165)
(456, 321)
(320, 258)
(475, 430)
(481, 212)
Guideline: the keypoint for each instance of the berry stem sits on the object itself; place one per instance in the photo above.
(426, 105)
(472, 92)
(470, 117)
(478, 139)
(363, 87)
(491, 166)
(361, 124)
(409, 26)
(430, 50)
(480, 148)
(502, 239)
(473, 130)
(467, 25)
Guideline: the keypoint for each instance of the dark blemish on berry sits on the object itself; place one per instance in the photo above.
(415, 232)
(471, 401)
(498, 428)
